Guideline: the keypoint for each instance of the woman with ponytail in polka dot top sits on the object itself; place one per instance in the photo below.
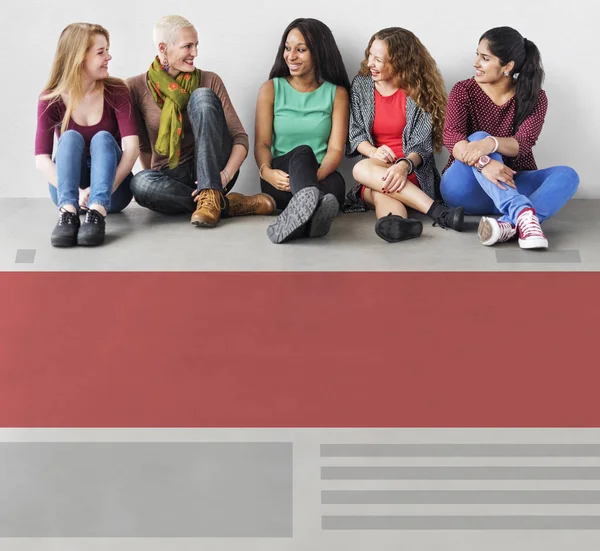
(493, 120)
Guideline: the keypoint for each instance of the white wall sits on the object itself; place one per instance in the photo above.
(238, 40)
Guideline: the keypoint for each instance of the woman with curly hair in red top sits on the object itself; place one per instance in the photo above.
(493, 121)
(398, 102)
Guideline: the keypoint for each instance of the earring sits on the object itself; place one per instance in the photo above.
(165, 63)
(506, 74)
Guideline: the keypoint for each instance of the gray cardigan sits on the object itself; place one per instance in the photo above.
(417, 136)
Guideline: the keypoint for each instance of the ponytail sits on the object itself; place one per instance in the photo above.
(508, 45)
(529, 83)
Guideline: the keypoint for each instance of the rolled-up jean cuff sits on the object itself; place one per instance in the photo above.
(68, 203)
(105, 204)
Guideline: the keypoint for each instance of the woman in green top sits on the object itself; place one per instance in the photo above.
(301, 129)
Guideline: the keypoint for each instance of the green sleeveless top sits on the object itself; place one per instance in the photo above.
(302, 118)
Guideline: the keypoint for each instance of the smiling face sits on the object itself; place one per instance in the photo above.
(95, 64)
(182, 52)
(488, 67)
(379, 62)
(297, 55)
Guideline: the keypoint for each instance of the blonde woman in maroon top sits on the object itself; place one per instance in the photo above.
(90, 113)
(493, 121)
(397, 111)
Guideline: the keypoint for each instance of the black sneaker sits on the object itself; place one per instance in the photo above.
(291, 223)
(393, 228)
(446, 217)
(92, 230)
(327, 209)
(65, 231)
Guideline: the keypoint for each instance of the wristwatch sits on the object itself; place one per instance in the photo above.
(482, 163)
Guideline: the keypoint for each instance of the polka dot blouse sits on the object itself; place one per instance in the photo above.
(471, 110)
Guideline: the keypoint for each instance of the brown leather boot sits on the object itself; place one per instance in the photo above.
(209, 206)
(243, 205)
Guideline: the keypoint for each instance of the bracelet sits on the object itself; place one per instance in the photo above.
(227, 175)
(411, 165)
(260, 169)
(497, 145)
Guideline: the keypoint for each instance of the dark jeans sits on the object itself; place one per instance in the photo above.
(301, 165)
(169, 191)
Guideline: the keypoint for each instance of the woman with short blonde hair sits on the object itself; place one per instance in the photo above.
(191, 139)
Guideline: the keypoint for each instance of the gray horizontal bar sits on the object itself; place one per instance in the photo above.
(460, 523)
(460, 450)
(145, 490)
(459, 497)
(518, 256)
(460, 473)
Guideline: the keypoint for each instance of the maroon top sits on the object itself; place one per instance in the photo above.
(117, 118)
(471, 110)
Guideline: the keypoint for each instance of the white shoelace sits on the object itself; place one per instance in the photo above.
(529, 226)
(507, 231)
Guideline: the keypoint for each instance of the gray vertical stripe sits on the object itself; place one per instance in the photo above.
(459, 497)
(430, 523)
(460, 450)
(146, 490)
(460, 473)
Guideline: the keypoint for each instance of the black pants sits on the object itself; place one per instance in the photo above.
(301, 165)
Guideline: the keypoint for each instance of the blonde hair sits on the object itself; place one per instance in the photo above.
(417, 73)
(66, 73)
(167, 28)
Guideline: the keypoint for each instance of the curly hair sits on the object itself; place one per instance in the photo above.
(417, 74)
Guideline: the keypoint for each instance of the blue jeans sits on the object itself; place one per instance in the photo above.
(546, 191)
(75, 170)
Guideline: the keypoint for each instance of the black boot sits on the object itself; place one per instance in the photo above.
(393, 228)
(66, 229)
(93, 229)
(446, 217)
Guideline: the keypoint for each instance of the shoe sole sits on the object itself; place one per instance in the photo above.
(327, 210)
(199, 224)
(299, 211)
(398, 229)
(486, 233)
(63, 243)
(531, 244)
(86, 241)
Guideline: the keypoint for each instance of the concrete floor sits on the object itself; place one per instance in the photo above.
(37, 517)
(139, 240)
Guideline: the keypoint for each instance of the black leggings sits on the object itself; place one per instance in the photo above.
(301, 165)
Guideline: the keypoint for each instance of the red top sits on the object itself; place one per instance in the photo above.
(117, 118)
(389, 124)
(471, 110)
